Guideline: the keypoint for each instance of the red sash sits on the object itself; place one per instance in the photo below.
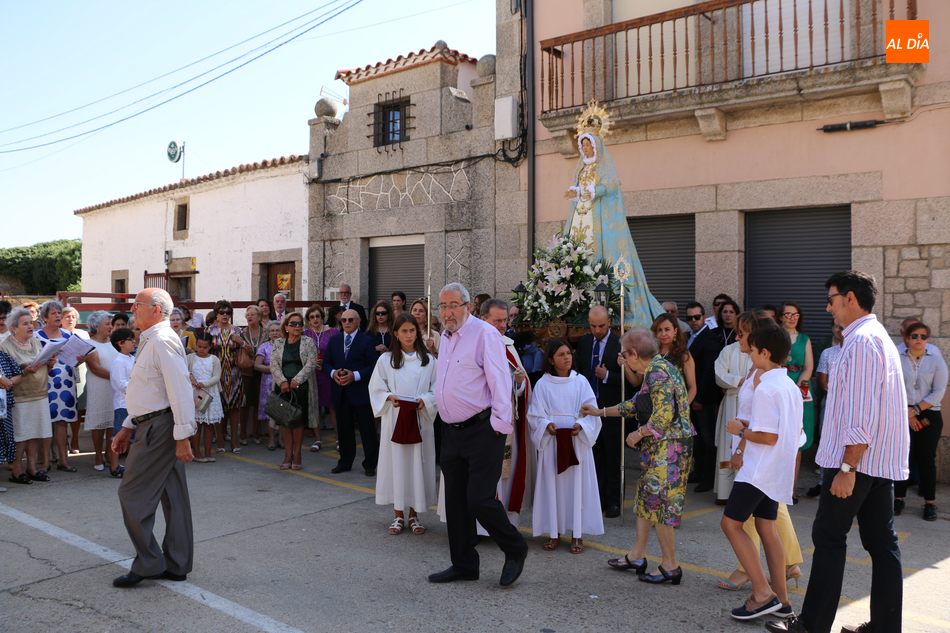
(566, 457)
(406, 430)
(521, 424)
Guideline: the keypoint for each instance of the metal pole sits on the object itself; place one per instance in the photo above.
(621, 273)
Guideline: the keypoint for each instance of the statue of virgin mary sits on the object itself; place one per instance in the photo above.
(597, 214)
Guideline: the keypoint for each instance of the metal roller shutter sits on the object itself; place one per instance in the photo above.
(667, 248)
(393, 268)
(789, 256)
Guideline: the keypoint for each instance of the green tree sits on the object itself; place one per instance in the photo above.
(46, 267)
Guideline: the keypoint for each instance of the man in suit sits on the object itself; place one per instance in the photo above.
(350, 360)
(596, 360)
(280, 307)
(346, 303)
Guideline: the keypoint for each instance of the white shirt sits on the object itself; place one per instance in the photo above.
(120, 369)
(776, 408)
(160, 380)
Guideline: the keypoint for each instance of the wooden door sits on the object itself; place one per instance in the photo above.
(281, 277)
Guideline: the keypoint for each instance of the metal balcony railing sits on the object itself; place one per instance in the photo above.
(711, 43)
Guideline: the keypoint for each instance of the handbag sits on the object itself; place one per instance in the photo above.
(283, 412)
(245, 361)
(202, 399)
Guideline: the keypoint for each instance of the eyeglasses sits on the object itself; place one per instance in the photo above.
(832, 296)
(694, 317)
(451, 306)
(382, 314)
(626, 353)
(919, 337)
(347, 320)
(717, 304)
(295, 324)
(791, 314)
(315, 316)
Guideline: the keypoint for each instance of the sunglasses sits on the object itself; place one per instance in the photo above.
(225, 312)
(347, 320)
(382, 314)
(315, 316)
(919, 337)
(717, 304)
(695, 317)
(295, 324)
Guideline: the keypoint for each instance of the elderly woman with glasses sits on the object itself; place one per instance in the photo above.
(252, 337)
(226, 341)
(70, 321)
(180, 325)
(665, 441)
(99, 412)
(291, 365)
(320, 333)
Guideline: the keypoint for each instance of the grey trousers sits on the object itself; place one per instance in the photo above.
(153, 475)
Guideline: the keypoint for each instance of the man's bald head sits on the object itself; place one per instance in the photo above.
(598, 319)
(350, 320)
(152, 305)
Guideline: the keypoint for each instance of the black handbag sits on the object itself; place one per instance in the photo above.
(283, 412)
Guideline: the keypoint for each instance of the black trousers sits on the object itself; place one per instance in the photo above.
(872, 502)
(704, 444)
(923, 451)
(607, 451)
(349, 417)
(471, 463)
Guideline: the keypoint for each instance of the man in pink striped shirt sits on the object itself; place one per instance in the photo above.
(865, 441)
(473, 394)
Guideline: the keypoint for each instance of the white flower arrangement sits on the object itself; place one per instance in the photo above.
(561, 282)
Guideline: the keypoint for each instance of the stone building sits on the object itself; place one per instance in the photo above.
(761, 146)
(237, 233)
(406, 190)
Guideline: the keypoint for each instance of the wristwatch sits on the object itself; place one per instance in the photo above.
(742, 434)
(738, 451)
(846, 468)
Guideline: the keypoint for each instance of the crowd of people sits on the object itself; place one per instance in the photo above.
(727, 401)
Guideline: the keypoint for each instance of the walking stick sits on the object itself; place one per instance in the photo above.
(622, 272)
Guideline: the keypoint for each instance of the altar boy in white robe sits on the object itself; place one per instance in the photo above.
(401, 392)
(566, 498)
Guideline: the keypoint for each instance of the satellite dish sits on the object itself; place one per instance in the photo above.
(175, 151)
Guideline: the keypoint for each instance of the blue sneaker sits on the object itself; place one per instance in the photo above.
(749, 611)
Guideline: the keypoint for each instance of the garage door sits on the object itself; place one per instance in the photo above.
(393, 268)
(789, 256)
(667, 249)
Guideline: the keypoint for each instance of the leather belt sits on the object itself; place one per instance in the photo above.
(139, 419)
(478, 418)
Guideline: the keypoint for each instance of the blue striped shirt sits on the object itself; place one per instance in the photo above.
(867, 404)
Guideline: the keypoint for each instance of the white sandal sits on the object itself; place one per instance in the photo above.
(416, 526)
(396, 527)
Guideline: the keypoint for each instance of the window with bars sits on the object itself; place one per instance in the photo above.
(390, 122)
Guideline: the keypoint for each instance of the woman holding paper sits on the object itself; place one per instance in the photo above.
(401, 394)
(566, 497)
(61, 385)
(31, 422)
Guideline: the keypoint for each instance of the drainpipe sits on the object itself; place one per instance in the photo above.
(528, 9)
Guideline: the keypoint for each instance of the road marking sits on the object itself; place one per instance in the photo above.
(305, 475)
(187, 589)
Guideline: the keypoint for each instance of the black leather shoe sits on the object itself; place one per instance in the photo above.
(789, 625)
(131, 579)
(612, 512)
(451, 575)
(167, 575)
(336, 470)
(512, 569)
(674, 576)
(930, 512)
(370, 472)
(898, 507)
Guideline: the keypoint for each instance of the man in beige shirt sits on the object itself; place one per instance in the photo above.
(160, 402)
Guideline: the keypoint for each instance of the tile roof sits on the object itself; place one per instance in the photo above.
(240, 169)
(440, 52)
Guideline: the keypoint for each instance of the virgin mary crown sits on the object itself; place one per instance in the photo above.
(593, 120)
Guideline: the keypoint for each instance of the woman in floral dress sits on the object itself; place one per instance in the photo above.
(226, 343)
(665, 441)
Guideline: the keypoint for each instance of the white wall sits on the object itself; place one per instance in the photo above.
(230, 218)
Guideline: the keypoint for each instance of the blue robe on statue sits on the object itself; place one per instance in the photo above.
(597, 215)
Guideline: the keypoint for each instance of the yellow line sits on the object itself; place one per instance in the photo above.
(305, 475)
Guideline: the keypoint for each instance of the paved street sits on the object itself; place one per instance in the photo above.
(308, 551)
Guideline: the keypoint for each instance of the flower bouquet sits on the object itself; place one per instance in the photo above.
(561, 283)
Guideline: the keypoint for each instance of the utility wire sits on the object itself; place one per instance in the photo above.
(182, 94)
(171, 72)
(165, 90)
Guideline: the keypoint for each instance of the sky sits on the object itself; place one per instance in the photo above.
(59, 56)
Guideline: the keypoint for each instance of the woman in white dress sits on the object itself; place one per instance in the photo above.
(401, 394)
(566, 498)
(99, 412)
(70, 321)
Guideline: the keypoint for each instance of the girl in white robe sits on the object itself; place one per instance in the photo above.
(405, 474)
(569, 501)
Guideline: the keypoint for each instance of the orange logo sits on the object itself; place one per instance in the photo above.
(908, 41)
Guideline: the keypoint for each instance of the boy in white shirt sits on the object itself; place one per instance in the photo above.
(767, 474)
(123, 339)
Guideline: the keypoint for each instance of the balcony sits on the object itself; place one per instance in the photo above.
(716, 56)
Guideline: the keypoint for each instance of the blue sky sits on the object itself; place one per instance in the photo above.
(59, 55)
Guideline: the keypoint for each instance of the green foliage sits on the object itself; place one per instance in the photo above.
(46, 267)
